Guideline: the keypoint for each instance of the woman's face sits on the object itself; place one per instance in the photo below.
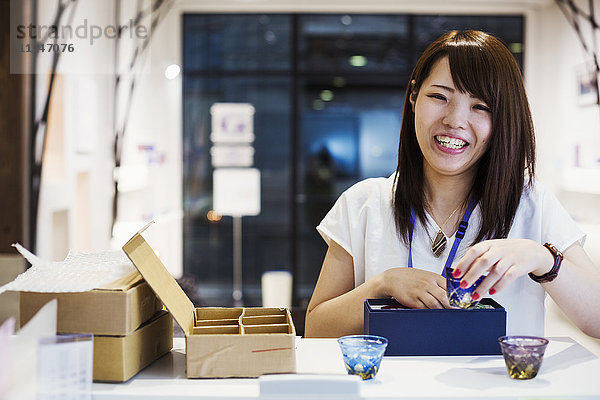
(453, 128)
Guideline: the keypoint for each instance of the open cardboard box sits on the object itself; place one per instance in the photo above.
(115, 309)
(220, 342)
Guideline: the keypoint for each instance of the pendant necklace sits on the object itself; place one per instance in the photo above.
(460, 234)
(438, 243)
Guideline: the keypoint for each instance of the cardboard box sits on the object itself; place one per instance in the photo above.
(118, 358)
(10, 267)
(443, 332)
(220, 342)
(116, 309)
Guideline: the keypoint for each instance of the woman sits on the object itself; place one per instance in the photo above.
(466, 147)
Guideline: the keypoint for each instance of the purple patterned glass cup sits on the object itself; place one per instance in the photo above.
(523, 355)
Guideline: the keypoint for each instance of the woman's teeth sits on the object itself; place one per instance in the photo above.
(451, 143)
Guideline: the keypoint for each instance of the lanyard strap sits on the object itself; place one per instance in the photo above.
(460, 234)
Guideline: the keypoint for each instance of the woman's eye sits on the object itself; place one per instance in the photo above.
(482, 107)
(437, 96)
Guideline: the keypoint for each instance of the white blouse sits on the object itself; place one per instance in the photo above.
(362, 222)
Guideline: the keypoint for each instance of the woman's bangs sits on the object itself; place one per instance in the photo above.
(471, 73)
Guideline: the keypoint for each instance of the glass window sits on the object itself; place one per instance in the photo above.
(341, 43)
(236, 42)
(224, 61)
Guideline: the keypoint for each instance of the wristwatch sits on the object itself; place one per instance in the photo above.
(550, 276)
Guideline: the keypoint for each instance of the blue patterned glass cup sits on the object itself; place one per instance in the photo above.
(457, 296)
(362, 354)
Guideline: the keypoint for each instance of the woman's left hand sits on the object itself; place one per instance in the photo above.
(503, 260)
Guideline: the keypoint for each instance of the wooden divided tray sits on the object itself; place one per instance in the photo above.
(241, 321)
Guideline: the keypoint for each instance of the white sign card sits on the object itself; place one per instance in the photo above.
(232, 123)
(236, 191)
(232, 156)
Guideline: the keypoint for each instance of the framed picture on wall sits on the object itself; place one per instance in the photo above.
(587, 84)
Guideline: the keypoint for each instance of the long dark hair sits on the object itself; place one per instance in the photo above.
(482, 66)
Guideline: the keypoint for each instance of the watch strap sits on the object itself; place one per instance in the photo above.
(553, 273)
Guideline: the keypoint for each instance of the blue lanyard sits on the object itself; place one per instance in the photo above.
(460, 234)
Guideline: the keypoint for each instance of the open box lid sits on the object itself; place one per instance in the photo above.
(160, 280)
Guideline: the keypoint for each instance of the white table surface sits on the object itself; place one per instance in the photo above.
(568, 371)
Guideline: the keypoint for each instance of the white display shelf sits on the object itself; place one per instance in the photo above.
(569, 371)
(581, 180)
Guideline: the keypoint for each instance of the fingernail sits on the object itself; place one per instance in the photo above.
(456, 273)
(492, 291)
(464, 284)
(475, 296)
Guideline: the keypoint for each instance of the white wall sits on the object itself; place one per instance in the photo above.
(155, 192)
(75, 195)
(77, 189)
(562, 123)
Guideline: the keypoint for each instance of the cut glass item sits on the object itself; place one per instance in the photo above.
(523, 355)
(457, 296)
(362, 354)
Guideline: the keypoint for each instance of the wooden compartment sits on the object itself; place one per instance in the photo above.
(264, 320)
(272, 328)
(217, 322)
(212, 313)
(258, 311)
(216, 330)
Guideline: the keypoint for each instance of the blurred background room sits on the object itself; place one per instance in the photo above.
(103, 136)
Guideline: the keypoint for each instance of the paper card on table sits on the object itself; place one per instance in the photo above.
(65, 367)
(24, 349)
(6, 330)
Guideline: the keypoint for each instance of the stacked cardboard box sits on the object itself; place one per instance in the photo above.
(220, 342)
(129, 325)
(10, 267)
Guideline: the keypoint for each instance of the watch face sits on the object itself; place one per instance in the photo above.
(554, 250)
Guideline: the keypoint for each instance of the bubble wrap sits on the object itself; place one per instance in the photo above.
(79, 272)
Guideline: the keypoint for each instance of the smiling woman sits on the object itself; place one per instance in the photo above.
(466, 147)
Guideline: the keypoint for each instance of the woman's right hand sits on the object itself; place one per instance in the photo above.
(337, 306)
(415, 288)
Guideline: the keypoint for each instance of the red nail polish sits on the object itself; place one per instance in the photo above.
(464, 284)
(456, 273)
(475, 296)
(492, 291)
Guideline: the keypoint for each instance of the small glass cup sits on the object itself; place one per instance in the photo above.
(523, 355)
(457, 296)
(362, 354)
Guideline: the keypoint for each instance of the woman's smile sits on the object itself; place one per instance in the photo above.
(451, 144)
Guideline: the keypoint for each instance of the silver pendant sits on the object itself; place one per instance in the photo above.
(438, 245)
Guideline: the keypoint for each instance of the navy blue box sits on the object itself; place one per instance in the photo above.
(438, 332)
